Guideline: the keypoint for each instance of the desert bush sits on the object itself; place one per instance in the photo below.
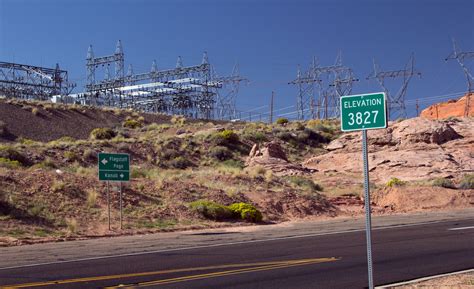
(305, 183)
(58, 186)
(91, 198)
(102, 133)
(138, 172)
(180, 163)
(225, 138)
(45, 164)
(89, 154)
(395, 182)
(444, 183)
(26, 141)
(178, 120)
(467, 182)
(284, 136)
(246, 212)
(132, 123)
(282, 121)
(71, 225)
(8, 163)
(35, 111)
(11, 153)
(233, 164)
(309, 137)
(256, 171)
(255, 136)
(211, 210)
(169, 154)
(70, 155)
(220, 153)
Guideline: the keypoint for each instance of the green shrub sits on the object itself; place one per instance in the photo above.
(139, 173)
(89, 154)
(310, 137)
(282, 121)
(220, 153)
(467, 182)
(211, 210)
(169, 154)
(284, 136)
(444, 183)
(305, 183)
(103, 133)
(71, 155)
(8, 163)
(180, 163)
(395, 182)
(178, 120)
(11, 153)
(132, 123)
(46, 164)
(225, 138)
(255, 136)
(229, 135)
(233, 164)
(246, 212)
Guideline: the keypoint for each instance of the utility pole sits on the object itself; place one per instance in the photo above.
(271, 107)
(417, 108)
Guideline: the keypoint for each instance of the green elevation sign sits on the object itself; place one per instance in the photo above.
(363, 111)
(114, 167)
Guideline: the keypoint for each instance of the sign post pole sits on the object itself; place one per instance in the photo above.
(114, 167)
(368, 221)
(121, 208)
(361, 113)
(108, 203)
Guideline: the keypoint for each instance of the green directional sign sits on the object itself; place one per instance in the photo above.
(114, 167)
(363, 111)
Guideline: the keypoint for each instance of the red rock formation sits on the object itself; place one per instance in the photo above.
(451, 108)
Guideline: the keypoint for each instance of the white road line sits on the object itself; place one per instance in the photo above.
(461, 228)
(226, 244)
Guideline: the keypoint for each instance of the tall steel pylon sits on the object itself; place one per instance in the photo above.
(320, 88)
(461, 57)
(396, 102)
(226, 98)
(192, 91)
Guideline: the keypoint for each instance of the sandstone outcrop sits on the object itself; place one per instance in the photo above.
(451, 108)
(413, 149)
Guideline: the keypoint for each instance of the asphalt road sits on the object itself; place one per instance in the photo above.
(336, 260)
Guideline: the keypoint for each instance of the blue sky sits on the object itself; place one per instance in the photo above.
(267, 38)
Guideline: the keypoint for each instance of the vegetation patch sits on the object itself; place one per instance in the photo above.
(444, 183)
(211, 210)
(395, 182)
(467, 182)
(102, 133)
(246, 212)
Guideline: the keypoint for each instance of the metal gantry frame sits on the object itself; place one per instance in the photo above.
(395, 101)
(33, 82)
(461, 57)
(194, 91)
(320, 88)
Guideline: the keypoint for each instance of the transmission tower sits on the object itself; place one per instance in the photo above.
(396, 102)
(322, 86)
(226, 98)
(192, 91)
(33, 82)
(461, 58)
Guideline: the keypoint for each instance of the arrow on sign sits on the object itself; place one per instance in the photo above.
(104, 161)
(121, 176)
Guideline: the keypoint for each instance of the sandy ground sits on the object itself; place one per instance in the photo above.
(456, 281)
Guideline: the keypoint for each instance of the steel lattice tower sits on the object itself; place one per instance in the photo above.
(192, 91)
(320, 87)
(461, 58)
(396, 102)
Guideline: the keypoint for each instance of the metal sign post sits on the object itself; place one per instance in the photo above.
(368, 221)
(114, 168)
(360, 113)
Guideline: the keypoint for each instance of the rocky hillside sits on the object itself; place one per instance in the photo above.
(193, 174)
